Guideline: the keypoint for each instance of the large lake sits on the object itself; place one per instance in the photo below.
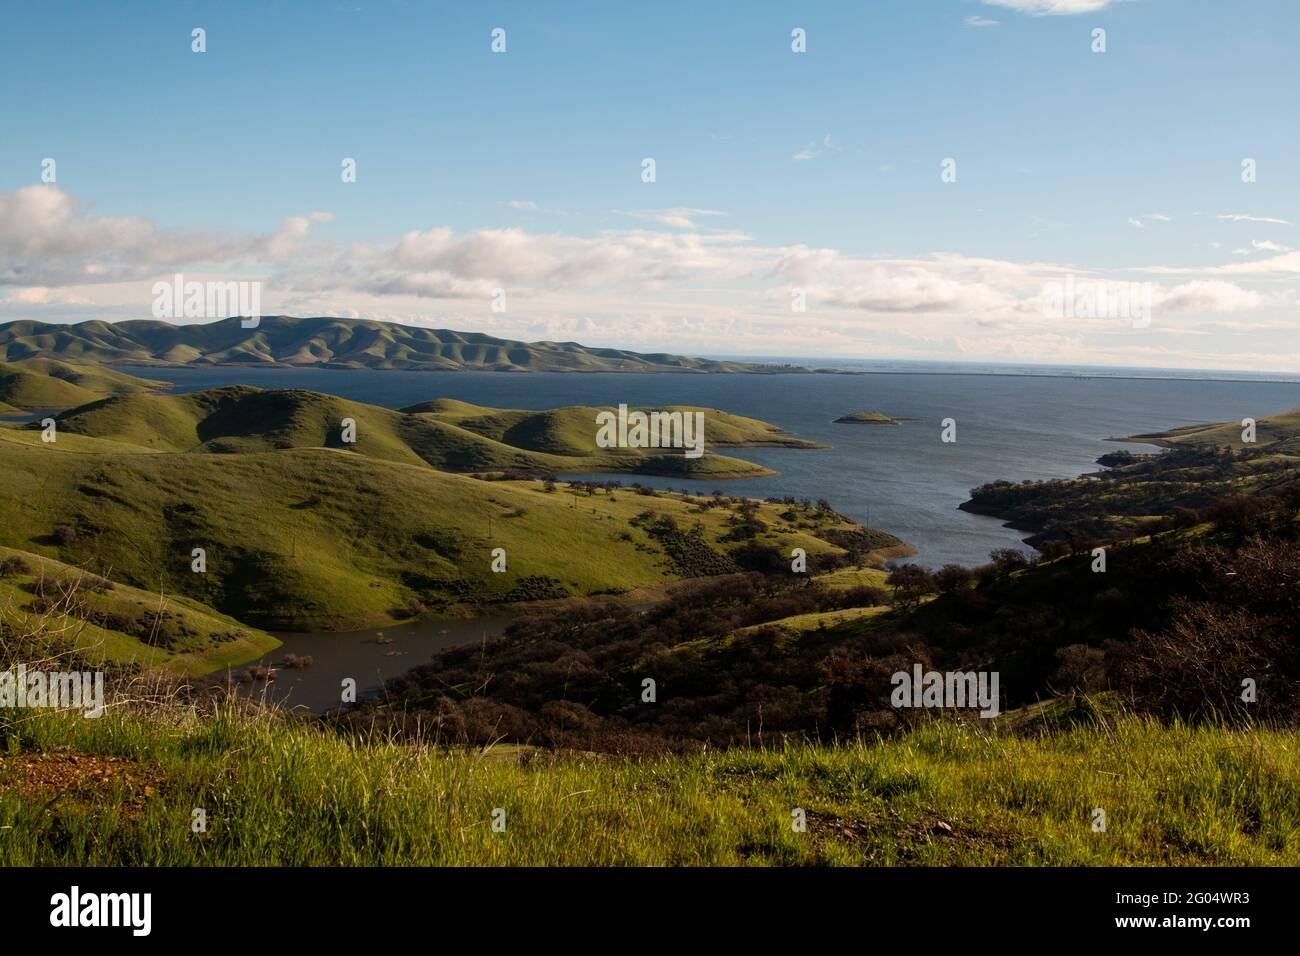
(902, 479)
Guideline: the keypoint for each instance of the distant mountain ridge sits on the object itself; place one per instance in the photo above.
(327, 343)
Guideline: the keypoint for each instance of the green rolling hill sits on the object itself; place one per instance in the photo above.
(1280, 433)
(323, 538)
(452, 436)
(327, 342)
(41, 384)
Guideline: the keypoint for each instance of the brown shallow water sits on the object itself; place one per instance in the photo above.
(370, 657)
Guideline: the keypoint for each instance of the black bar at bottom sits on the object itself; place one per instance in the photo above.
(344, 906)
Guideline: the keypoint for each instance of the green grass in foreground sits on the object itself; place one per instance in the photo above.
(285, 793)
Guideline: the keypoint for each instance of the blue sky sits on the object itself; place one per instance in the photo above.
(776, 171)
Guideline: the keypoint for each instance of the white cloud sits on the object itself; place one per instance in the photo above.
(291, 230)
(1141, 221)
(522, 204)
(1207, 296)
(1286, 264)
(679, 217)
(1269, 245)
(974, 21)
(47, 238)
(1042, 8)
(43, 295)
(1243, 217)
(815, 149)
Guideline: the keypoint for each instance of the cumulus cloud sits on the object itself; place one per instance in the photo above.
(285, 239)
(1207, 296)
(48, 238)
(943, 283)
(1286, 264)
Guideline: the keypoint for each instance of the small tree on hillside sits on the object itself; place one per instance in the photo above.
(910, 583)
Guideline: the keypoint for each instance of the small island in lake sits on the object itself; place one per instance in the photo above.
(868, 418)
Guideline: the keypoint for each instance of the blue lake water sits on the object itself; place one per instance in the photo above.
(902, 479)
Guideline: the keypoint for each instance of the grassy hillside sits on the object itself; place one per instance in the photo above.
(1279, 432)
(572, 430)
(40, 384)
(286, 793)
(451, 436)
(306, 538)
(105, 621)
(94, 378)
(328, 342)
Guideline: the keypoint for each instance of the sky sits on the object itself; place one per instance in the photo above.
(920, 182)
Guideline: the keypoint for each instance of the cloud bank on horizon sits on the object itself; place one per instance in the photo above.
(925, 233)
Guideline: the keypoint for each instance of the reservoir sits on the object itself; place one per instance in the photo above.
(369, 657)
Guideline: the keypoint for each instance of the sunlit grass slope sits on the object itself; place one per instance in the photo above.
(40, 384)
(308, 538)
(1282, 429)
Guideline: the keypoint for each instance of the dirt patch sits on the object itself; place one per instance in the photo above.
(929, 827)
(841, 829)
(909, 834)
(53, 778)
